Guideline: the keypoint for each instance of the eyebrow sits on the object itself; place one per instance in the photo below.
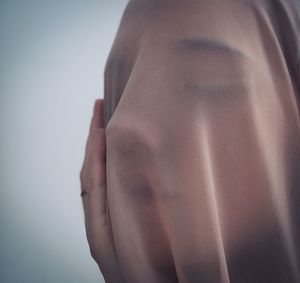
(198, 44)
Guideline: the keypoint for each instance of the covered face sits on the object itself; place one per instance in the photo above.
(203, 141)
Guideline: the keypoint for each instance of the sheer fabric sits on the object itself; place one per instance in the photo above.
(203, 141)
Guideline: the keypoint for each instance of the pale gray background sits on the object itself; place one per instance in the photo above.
(51, 65)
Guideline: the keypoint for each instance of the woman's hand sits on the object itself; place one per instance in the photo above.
(93, 191)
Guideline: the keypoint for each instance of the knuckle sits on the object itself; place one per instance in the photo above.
(81, 175)
(84, 181)
(92, 175)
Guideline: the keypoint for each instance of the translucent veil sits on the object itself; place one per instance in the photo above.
(203, 141)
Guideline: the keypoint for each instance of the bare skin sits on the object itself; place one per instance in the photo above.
(93, 187)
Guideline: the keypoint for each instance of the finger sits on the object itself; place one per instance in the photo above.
(97, 147)
(95, 157)
(98, 113)
(96, 123)
(94, 201)
(94, 183)
(94, 166)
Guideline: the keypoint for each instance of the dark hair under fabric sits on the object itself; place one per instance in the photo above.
(203, 141)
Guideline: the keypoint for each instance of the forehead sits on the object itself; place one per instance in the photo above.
(190, 26)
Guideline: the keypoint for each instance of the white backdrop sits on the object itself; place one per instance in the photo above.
(52, 61)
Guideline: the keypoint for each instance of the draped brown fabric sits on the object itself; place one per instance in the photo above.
(203, 141)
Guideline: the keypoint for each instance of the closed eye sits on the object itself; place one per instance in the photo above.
(208, 44)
